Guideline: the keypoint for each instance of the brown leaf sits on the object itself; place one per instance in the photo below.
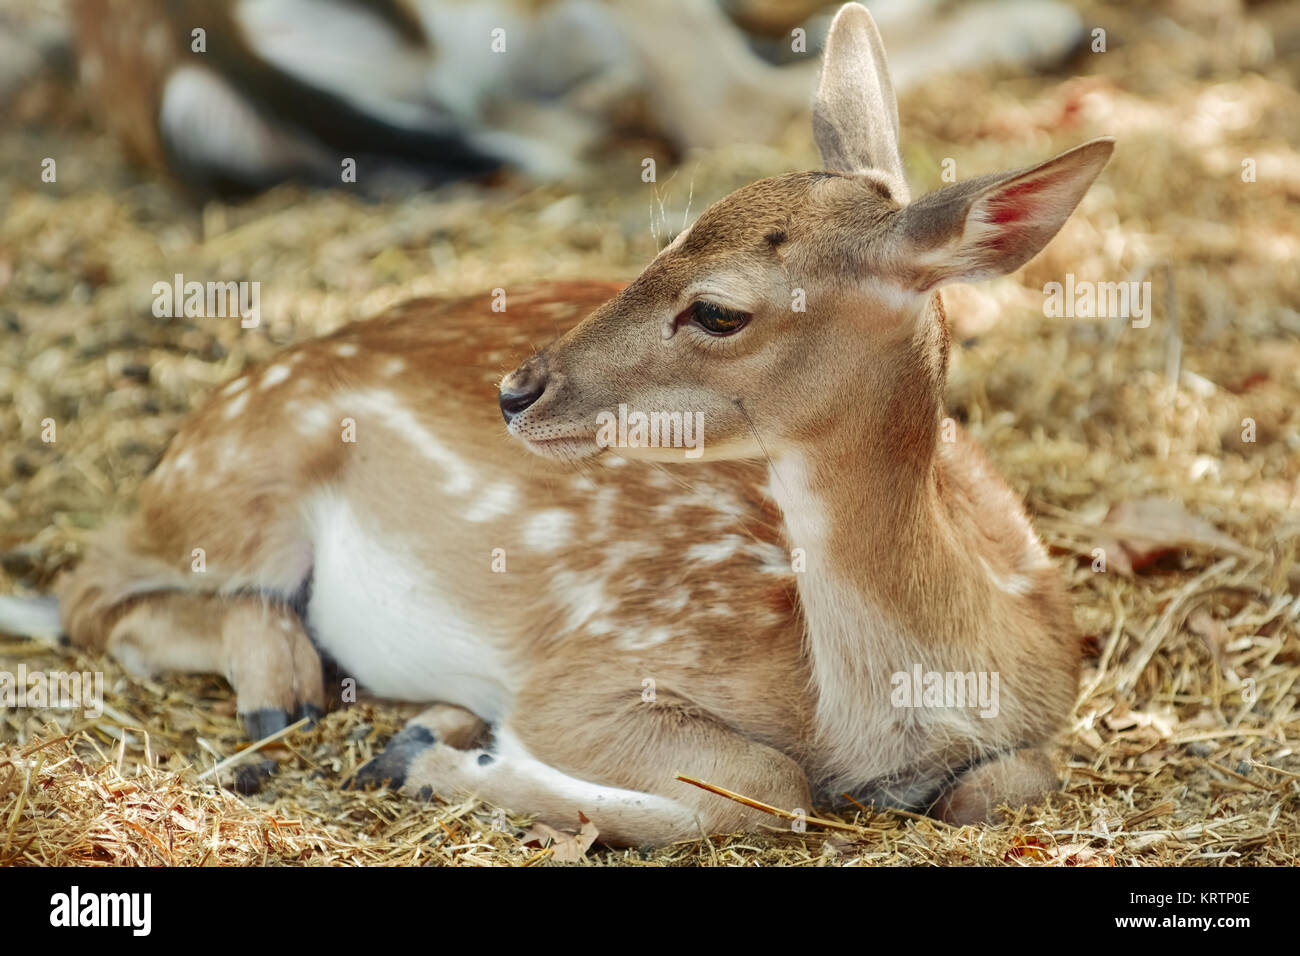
(1116, 556)
(1027, 846)
(1210, 629)
(568, 847)
(1144, 530)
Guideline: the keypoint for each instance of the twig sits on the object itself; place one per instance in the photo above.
(253, 748)
(1242, 777)
(768, 808)
(1159, 810)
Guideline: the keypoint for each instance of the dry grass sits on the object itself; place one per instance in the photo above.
(1182, 746)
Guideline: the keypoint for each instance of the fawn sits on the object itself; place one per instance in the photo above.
(587, 625)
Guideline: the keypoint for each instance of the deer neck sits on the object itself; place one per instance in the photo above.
(880, 566)
(865, 510)
(861, 497)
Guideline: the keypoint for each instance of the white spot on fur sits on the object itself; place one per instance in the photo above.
(674, 602)
(237, 404)
(619, 552)
(345, 350)
(394, 367)
(667, 510)
(602, 511)
(728, 507)
(582, 483)
(274, 375)
(388, 411)
(237, 385)
(583, 598)
(548, 530)
(497, 500)
(715, 551)
(772, 558)
(638, 639)
(314, 419)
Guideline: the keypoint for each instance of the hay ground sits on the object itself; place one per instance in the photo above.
(1182, 749)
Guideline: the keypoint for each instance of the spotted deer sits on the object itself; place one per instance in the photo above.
(590, 616)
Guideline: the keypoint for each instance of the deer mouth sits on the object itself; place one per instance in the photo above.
(563, 447)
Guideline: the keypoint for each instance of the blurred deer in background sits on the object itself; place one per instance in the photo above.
(238, 94)
(587, 625)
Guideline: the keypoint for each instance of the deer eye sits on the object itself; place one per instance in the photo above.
(716, 320)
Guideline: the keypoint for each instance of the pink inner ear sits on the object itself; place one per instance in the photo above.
(1019, 202)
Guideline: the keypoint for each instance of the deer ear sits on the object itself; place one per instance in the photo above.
(994, 224)
(855, 114)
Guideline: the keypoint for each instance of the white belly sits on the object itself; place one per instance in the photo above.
(377, 611)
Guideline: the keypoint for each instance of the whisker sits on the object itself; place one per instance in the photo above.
(759, 438)
(690, 197)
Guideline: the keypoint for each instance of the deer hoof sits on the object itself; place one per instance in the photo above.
(263, 722)
(390, 767)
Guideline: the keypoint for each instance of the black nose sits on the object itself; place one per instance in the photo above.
(521, 388)
(512, 403)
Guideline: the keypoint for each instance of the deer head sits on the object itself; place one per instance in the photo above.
(804, 304)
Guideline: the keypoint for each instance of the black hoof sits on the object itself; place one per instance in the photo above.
(264, 722)
(311, 712)
(250, 777)
(390, 767)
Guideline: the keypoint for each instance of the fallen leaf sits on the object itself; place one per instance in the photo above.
(1137, 533)
(567, 847)
(1074, 854)
(840, 843)
(1210, 629)
(1027, 846)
